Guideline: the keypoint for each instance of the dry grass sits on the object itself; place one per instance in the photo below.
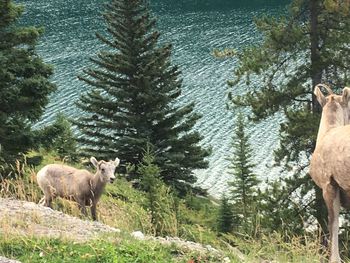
(275, 248)
(128, 216)
(23, 186)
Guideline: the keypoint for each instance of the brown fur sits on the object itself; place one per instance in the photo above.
(330, 166)
(81, 186)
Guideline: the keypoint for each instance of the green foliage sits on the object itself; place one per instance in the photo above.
(124, 207)
(225, 216)
(200, 234)
(244, 186)
(24, 82)
(198, 211)
(161, 202)
(299, 128)
(196, 202)
(59, 137)
(133, 99)
(281, 213)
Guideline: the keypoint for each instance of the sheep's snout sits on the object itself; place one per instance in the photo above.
(111, 179)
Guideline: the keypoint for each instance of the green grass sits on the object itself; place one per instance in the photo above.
(58, 251)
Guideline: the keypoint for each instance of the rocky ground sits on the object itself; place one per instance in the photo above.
(28, 218)
(6, 260)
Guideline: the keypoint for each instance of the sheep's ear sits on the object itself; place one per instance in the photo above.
(116, 161)
(346, 95)
(94, 161)
(319, 95)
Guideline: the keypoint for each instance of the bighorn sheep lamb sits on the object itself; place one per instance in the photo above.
(330, 166)
(81, 186)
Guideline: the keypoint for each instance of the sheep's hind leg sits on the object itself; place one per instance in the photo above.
(93, 212)
(81, 205)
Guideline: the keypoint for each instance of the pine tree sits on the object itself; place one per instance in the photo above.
(244, 186)
(24, 82)
(161, 202)
(133, 98)
(59, 137)
(306, 47)
(278, 211)
(226, 217)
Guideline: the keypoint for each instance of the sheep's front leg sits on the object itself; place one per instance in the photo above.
(332, 199)
(48, 201)
(93, 211)
(48, 197)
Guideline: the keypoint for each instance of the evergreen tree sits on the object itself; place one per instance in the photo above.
(278, 211)
(59, 137)
(133, 99)
(226, 218)
(244, 184)
(306, 47)
(24, 82)
(161, 202)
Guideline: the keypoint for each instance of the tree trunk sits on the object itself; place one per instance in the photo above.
(316, 69)
(316, 76)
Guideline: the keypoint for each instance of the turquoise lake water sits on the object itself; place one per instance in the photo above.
(194, 28)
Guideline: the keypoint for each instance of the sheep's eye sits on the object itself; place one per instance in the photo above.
(103, 170)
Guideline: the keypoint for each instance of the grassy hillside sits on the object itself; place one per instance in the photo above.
(125, 208)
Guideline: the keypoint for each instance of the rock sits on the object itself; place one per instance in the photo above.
(29, 206)
(6, 260)
(138, 235)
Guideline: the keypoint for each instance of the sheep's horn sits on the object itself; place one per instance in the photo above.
(330, 91)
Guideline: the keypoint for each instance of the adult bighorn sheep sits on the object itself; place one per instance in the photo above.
(81, 186)
(330, 163)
